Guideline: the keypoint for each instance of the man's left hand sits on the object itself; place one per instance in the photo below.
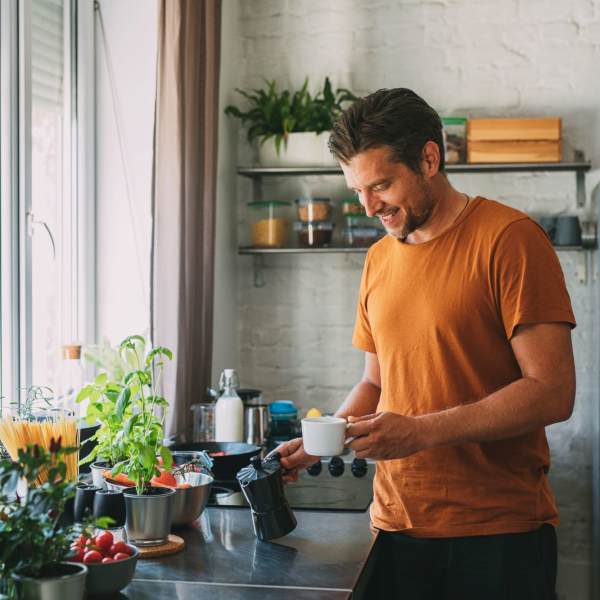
(385, 435)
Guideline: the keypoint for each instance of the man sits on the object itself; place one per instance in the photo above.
(466, 322)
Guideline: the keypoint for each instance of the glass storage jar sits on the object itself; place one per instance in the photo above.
(362, 237)
(455, 139)
(314, 234)
(313, 209)
(269, 223)
(352, 206)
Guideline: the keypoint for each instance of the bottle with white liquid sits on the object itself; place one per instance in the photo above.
(229, 410)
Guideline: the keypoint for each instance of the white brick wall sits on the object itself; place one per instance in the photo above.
(476, 57)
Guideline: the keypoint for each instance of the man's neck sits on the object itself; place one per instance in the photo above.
(449, 205)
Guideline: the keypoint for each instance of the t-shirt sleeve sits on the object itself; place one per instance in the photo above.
(363, 337)
(529, 285)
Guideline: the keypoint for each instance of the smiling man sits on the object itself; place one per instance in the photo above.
(465, 322)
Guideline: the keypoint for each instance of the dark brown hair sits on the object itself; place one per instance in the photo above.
(398, 118)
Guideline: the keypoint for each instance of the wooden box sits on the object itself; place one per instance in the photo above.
(514, 152)
(514, 140)
(500, 130)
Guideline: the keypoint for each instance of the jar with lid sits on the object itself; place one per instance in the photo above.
(269, 223)
(284, 421)
(455, 139)
(313, 209)
(352, 206)
(314, 234)
(362, 237)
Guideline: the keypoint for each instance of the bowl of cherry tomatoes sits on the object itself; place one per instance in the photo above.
(111, 564)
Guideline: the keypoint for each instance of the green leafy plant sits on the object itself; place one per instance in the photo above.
(33, 535)
(274, 114)
(131, 413)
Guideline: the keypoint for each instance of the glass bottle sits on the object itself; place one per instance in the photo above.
(71, 378)
(229, 410)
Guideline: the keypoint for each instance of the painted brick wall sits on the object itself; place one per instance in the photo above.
(474, 57)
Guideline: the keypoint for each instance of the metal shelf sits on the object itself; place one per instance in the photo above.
(577, 166)
(258, 255)
(342, 250)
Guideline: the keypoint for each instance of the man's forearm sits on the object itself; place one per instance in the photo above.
(521, 406)
(362, 400)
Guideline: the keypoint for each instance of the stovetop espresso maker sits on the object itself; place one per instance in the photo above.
(262, 485)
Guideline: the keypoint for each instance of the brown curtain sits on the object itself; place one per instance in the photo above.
(183, 199)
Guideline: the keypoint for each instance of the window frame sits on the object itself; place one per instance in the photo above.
(15, 184)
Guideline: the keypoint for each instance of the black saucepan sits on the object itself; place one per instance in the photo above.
(237, 456)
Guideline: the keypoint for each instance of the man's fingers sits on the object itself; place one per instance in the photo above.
(363, 418)
(359, 428)
(288, 448)
(360, 444)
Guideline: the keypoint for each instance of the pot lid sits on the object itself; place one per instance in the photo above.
(259, 469)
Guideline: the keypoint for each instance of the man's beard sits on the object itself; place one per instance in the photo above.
(416, 220)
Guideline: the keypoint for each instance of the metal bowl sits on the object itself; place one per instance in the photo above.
(188, 503)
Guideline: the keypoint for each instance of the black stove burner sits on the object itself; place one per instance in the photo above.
(322, 492)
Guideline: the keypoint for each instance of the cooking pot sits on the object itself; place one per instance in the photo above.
(236, 456)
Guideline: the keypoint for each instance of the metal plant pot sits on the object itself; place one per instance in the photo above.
(97, 469)
(62, 581)
(148, 516)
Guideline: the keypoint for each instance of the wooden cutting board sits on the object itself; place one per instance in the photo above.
(173, 545)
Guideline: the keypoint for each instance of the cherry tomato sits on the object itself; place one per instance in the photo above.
(107, 559)
(104, 541)
(82, 539)
(120, 556)
(92, 556)
(120, 547)
(77, 555)
(90, 542)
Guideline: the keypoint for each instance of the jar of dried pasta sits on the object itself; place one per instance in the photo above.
(270, 225)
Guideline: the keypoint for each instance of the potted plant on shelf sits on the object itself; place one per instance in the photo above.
(142, 411)
(34, 538)
(292, 128)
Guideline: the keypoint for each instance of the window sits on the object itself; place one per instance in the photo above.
(44, 213)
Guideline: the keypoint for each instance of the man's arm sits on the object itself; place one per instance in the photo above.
(361, 400)
(545, 394)
(364, 397)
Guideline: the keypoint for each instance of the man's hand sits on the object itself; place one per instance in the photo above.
(385, 435)
(293, 458)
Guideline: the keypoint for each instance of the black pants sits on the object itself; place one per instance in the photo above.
(514, 566)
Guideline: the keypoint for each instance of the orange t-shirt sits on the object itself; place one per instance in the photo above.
(440, 315)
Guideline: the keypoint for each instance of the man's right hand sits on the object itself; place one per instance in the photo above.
(293, 458)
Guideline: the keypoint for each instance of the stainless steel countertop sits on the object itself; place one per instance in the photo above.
(322, 558)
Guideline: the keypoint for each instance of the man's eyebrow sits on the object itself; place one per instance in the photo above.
(374, 183)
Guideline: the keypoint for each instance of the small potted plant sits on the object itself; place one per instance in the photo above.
(292, 128)
(34, 538)
(142, 412)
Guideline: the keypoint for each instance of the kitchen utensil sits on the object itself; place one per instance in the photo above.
(188, 503)
(323, 436)
(589, 234)
(568, 231)
(84, 501)
(110, 503)
(548, 224)
(203, 422)
(256, 423)
(225, 467)
(262, 485)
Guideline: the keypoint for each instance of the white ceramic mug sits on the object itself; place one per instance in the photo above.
(323, 436)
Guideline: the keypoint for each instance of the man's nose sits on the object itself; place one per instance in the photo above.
(371, 203)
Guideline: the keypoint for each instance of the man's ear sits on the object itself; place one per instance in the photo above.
(430, 159)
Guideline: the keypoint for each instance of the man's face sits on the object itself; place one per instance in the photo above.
(401, 199)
